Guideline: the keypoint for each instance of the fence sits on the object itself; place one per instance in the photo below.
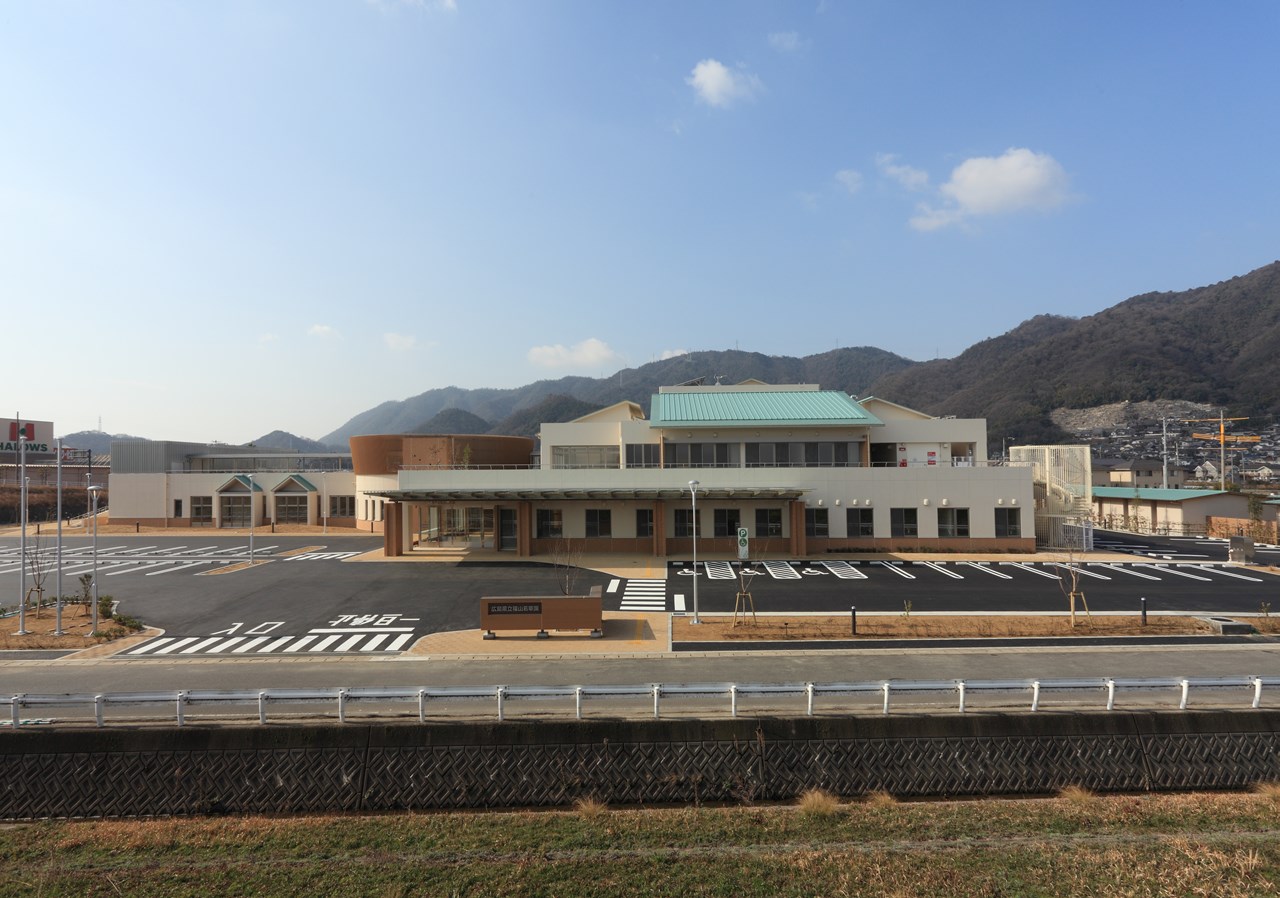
(690, 699)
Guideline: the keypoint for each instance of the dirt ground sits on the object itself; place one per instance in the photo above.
(897, 626)
(77, 625)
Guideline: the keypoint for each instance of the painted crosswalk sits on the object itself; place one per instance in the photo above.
(644, 595)
(382, 641)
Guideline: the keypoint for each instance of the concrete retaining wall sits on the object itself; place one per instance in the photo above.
(309, 769)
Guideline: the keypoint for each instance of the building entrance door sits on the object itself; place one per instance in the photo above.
(507, 529)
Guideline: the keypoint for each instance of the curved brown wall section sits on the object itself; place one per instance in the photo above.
(387, 453)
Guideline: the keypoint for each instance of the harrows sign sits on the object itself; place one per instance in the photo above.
(37, 435)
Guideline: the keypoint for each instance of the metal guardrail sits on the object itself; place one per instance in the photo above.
(880, 692)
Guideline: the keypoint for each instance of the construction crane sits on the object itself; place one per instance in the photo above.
(1222, 438)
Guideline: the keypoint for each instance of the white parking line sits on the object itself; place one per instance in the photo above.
(1164, 568)
(1217, 570)
(844, 570)
(719, 570)
(1031, 570)
(1079, 570)
(178, 567)
(897, 569)
(1123, 570)
(986, 570)
(941, 570)
(781, 570)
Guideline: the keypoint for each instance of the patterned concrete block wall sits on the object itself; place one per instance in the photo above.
(194, 770)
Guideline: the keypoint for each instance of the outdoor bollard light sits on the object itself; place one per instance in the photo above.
(693, 499)
(853, 619)
(1144, 611)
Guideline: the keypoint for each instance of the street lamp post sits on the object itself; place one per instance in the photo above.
(22, 522)
(249, 477)
(693, 499)
(93, 492)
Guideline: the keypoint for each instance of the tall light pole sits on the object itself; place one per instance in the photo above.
(324, 499)
(22, 524)
(693, 499)
(93, 491)
(249, 477)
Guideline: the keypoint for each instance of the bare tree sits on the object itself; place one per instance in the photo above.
(37, 562)
(1070, 584)
(567, 559)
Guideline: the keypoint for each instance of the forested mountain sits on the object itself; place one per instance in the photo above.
(1216, 345)
(852, 370)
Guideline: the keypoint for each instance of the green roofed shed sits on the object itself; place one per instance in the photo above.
(762, 408)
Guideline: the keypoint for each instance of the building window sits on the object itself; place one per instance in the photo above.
(685, 522)
(599, 523)
(768, 522)
(235, 511)
(202, 509)
(644, 455)
(815, 522)
(860, 523)
(1008, 523)
(584, 457)
(903, 522)
(644, 522)
(291, 508)
(550, 523)
(726, 522)
(177, 508)
(342, 506)
(953, 522)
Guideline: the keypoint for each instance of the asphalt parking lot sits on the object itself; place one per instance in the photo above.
(305, 597)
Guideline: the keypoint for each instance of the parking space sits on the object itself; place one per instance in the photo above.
(125, 560)
(971, 585)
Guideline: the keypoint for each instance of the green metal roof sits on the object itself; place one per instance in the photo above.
(752, 408)
(1151, 494)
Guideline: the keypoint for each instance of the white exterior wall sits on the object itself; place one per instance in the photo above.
(153, 495)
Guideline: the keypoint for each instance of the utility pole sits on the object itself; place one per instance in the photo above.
(1223, 439)
(1164, 453)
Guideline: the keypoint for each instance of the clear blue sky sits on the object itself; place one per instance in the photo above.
(222, 218)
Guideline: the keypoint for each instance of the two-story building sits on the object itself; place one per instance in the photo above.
(803, 470)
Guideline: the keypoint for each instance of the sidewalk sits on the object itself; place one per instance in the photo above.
(625, 633)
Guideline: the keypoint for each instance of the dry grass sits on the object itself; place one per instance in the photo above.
(880, 799)
(1269, 791)
(818, 803)
(898, 626)
(1078, 796)
(590, 808)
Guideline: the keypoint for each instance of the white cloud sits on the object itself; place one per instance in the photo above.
(786, 41)
(1016, 181)
(399, 342)
(718, 85)
(672, 354)
(590, 353)
(849, 179)
(908, 177)
(323, 331)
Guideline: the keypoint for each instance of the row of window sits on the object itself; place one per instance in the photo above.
(905, 522)
(859, 522)
(289, 509)
(710, 455)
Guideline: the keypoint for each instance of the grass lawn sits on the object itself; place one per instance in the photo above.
(1074, 844)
